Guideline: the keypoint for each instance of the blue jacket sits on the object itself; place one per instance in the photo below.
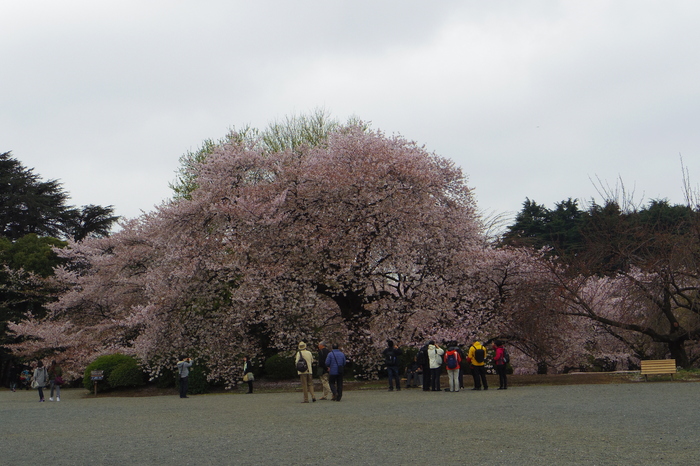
(334, 361)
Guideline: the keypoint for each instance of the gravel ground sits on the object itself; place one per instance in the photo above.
(614, 424)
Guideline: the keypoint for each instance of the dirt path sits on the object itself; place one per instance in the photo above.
(633, 423)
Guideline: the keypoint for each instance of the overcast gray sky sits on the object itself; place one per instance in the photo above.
(531, 98)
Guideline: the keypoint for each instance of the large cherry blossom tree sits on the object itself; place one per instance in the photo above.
(349, 239)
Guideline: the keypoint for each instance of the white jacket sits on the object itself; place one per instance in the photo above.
(435, 356)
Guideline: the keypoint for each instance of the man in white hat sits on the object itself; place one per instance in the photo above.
(304, 371)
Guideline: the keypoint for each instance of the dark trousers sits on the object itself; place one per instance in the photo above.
(183, 387)
(426, 380)
(435, 379)
(336, 383)
(479, 375)
(393, 372)
(250, 386)
(502, 379)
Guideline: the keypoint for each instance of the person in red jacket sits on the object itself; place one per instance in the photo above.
(499, 360)
(453, 360)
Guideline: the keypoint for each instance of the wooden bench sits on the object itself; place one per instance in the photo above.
(658, 366)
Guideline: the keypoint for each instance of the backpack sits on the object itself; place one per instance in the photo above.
(438, 359)
(479, 354)
(452, 360)
(390, 358)
(302, 366)
(506, 356)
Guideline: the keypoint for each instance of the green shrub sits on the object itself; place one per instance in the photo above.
(119, 371)
(126, 375)
(197, 380)
(406, 358)
(166, 379)
(280, 367)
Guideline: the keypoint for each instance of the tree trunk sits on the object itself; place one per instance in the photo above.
(677, 349)
(357, 320)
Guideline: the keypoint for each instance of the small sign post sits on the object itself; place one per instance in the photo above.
(95, 376)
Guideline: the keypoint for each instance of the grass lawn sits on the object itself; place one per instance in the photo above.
(586, 419)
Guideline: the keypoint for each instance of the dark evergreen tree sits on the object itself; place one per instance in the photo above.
(29, 205)
(92, 220)
(537, 226)
(34, 218)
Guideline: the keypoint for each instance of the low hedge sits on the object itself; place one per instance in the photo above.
(119, 370)
(197, 383)
(280, 367)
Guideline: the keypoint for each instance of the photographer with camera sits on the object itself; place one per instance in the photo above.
(435, 357)
(183, 368)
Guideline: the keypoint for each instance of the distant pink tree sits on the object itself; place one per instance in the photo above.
(652, 313)
(526, 309)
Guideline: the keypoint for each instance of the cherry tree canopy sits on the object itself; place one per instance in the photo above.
(351, 239)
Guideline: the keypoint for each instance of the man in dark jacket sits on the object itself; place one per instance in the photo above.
(463, 365)
(422, 359)
(391, 359)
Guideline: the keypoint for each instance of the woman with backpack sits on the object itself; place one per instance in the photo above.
(500, 360)
(453, 361)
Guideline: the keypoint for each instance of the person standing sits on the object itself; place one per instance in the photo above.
(248, 374)
(477, 359)
(304, 371)
(462, 366)
(335, 361)
(55, 380)
(183, 369)
(323, 352)
(424, 361)
(500, 361)
(14, 375)
(40, 379)
(435, 355)
(452, 361)
(391, 359)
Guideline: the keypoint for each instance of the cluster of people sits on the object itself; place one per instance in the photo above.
(424, 370)
(428, 364)
(41, 378)
(331, 369)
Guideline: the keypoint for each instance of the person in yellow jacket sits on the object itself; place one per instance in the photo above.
(306, 376)
(477, 360)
